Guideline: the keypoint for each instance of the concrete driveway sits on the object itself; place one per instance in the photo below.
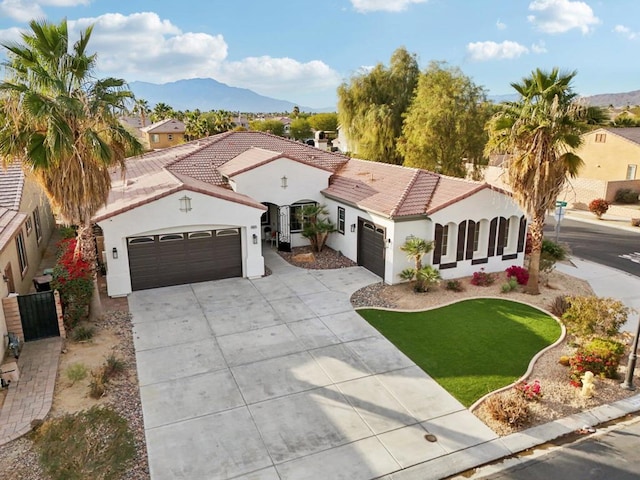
(279, 378)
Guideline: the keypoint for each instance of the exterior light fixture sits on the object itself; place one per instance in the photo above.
(185, 204)
(255, 239)
(353, 227)
(114, 253)
(283, 183)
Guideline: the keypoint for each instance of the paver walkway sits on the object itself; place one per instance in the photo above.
(30, 398)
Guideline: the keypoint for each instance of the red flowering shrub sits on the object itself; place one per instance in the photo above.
(73, 278)
(598, 207)
(600, 356)
(482, 278)
(530, 391)
(521, 274)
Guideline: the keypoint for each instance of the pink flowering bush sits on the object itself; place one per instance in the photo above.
(530, 391)
(521, 274)
(482, 278)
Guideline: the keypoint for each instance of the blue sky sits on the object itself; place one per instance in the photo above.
(301, 50)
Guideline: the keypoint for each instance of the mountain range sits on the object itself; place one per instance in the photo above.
(209, 94)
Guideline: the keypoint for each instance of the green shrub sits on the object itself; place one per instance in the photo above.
(96, 443)
(509, 285)
(454, 286)
(81, 333)
(426, 278)
(76, 372)
(553, 249)
(589, 317)
(113, 366)
(626, 195)
(508, 408)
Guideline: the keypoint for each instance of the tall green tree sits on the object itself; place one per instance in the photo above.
(540, 132)
(372, 105)
(444, 126)
(62, 123)
(272, 126)
(300, 128)
(326, 122)
(141, 107)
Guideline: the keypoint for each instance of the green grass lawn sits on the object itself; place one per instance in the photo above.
(471, 347)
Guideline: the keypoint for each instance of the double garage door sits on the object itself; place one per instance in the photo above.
(179, 258)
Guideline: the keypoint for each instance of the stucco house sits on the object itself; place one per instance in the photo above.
(206, 209)
(611, 154)
(26, 224)
(165, 133)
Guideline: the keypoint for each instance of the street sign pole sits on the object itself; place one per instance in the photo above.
(559, 216)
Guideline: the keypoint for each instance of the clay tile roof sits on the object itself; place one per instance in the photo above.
(247, 160)
(396, 191)
(630, 133)
(10, 221)
(11, 186)
(168, 125)
(387, 189)
(203, 164)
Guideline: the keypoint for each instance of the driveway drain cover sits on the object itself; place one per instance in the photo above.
(430, 437)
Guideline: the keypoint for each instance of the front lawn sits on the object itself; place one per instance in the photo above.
(471, 347)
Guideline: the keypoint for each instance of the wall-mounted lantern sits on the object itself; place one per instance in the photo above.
(283, 182)
(353, 227)
(114, 253)
(255, 239)
(185, 204)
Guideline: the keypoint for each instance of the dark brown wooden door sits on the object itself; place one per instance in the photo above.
(190, 257)
(371, 250)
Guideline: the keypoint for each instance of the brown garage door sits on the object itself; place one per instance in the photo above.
(178, 258)
(371, 247)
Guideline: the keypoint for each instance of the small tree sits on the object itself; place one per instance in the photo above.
(316, 226)
(416, 248)
(599, 207)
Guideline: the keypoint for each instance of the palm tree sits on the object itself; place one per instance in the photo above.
(540, 132)
(416, 248)
(141, 107)
(162, 111)
(316, 226)
(62, 123)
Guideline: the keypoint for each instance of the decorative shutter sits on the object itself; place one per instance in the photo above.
(493, 227)
(522, 234)
(462, 229)
(502, 225)
(471, 233)
(437, 250)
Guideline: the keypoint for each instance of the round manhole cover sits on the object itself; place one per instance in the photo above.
(430, 437)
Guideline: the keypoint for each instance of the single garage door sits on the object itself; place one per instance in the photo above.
(371, 247)
(179, 258)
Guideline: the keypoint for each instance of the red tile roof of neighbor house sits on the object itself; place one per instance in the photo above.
(11, 186)
(388, 190)
(168, 125)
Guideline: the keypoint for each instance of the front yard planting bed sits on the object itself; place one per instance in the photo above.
(471, 347)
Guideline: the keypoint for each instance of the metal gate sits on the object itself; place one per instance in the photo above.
(38, 315)
(284, 229)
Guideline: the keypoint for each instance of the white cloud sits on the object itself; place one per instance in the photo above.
(142, 46)
(559, 16)
(626, 32)
(501, 25)
(25, 10)
(539, 47)
(364, 6)
(482, 51)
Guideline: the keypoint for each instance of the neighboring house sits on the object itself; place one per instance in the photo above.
(611, 154)
(26, 224)
(164, 134)
(199, 211)
(135, 121)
